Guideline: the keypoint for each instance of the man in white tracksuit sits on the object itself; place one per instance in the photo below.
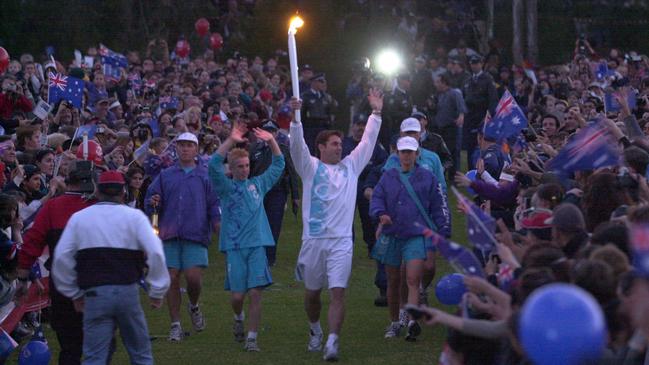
(329, 188)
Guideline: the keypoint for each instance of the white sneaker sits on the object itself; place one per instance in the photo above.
(237, 330)
(331, 352)
(175, 333)
(315, 342)
(198, 321)
(251, 345)
(393, 330)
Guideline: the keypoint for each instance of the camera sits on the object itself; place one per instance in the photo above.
(529, 135)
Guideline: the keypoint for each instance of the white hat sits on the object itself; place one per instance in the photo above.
(187, 137)
(407, 143)
(115, 104)
(410, 125)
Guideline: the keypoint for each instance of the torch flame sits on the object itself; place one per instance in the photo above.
(296, 22)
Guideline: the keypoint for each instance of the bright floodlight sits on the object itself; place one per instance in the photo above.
(388, 62)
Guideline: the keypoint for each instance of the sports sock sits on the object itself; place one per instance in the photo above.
(332, 339)
(240, 317)
(252, 335)
(175, 324)
(315, 327)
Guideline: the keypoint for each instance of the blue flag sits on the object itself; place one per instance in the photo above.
(589, 149)
(65, 87)
(168, 102)
(612, 106)
(602, 71)
(112, 62)
(480, 227)
(91, 129)
(461, 259)
(508, 120)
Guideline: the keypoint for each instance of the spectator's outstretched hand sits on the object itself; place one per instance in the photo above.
(375, 98)
(238, 132)
(461, 180)
(262, 134)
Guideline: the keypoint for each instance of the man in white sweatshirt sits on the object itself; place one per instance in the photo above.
(98, 263)
(329, 194)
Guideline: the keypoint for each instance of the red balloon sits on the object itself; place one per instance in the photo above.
(182, 48)
(216, 41)
(4, 59)
(202, 27)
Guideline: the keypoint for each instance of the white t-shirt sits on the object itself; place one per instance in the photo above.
(329, 191)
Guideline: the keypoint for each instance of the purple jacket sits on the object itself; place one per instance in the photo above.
(502, 196)
(189, 206)
(391, 197)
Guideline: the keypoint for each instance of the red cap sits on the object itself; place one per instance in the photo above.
(537, 220)
(111, 177)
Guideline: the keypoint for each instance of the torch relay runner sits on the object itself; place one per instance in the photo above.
(329, 188)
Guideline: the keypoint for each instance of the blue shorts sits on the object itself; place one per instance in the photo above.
(247, 268)
(391, 251)
(183, 254)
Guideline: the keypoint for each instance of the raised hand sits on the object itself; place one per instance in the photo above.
(262, 134)
(238, 132)
(375, 98)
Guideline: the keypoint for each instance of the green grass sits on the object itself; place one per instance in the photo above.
(283, 334)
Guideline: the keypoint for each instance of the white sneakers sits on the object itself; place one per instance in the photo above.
(315, 342)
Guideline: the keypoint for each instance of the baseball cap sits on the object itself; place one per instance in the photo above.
(410, 125)
(318, 77)
(537, 219)
(407, 144)
(419, 115)
(115, 104)
(187, 137)
(269, 125)
(111, 177)
(567, 218)
(475, 59)
(111, 182)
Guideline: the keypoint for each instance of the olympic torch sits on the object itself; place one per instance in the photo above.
(296, 22)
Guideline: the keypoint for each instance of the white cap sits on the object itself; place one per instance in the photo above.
(115, 104)
(187, 137)
(407, 143)
(410, 125)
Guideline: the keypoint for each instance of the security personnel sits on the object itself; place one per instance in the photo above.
(261, 157)
(491, 153)
(317, 110)
(422, 83)
(433, 141)
(480, 95)
(397, 107)
(457, 75)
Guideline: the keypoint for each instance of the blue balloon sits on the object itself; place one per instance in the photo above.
(562, 324)
(35, 353)
(471, 174)
(450, 289)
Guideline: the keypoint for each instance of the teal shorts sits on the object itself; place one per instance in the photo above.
(247, 268)
(183, 254)
(392, 252)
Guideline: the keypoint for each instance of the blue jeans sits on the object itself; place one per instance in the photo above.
(110, 306)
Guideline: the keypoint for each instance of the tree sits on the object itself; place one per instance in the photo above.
(531, 10)
(517, 30)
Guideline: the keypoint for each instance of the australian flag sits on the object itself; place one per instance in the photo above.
(112, 62)
(508, 120)
(480, 226)
(590, 149)
(461, 259)
(602, 71)
(65, 87)
(135, 83)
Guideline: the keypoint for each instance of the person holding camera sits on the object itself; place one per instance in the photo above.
(12, 99)
(44, 234)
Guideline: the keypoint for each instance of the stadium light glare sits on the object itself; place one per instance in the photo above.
(388, 62)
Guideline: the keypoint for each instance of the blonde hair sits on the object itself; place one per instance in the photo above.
(237, 153)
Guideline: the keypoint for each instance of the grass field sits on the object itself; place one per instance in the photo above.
(284, 331)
